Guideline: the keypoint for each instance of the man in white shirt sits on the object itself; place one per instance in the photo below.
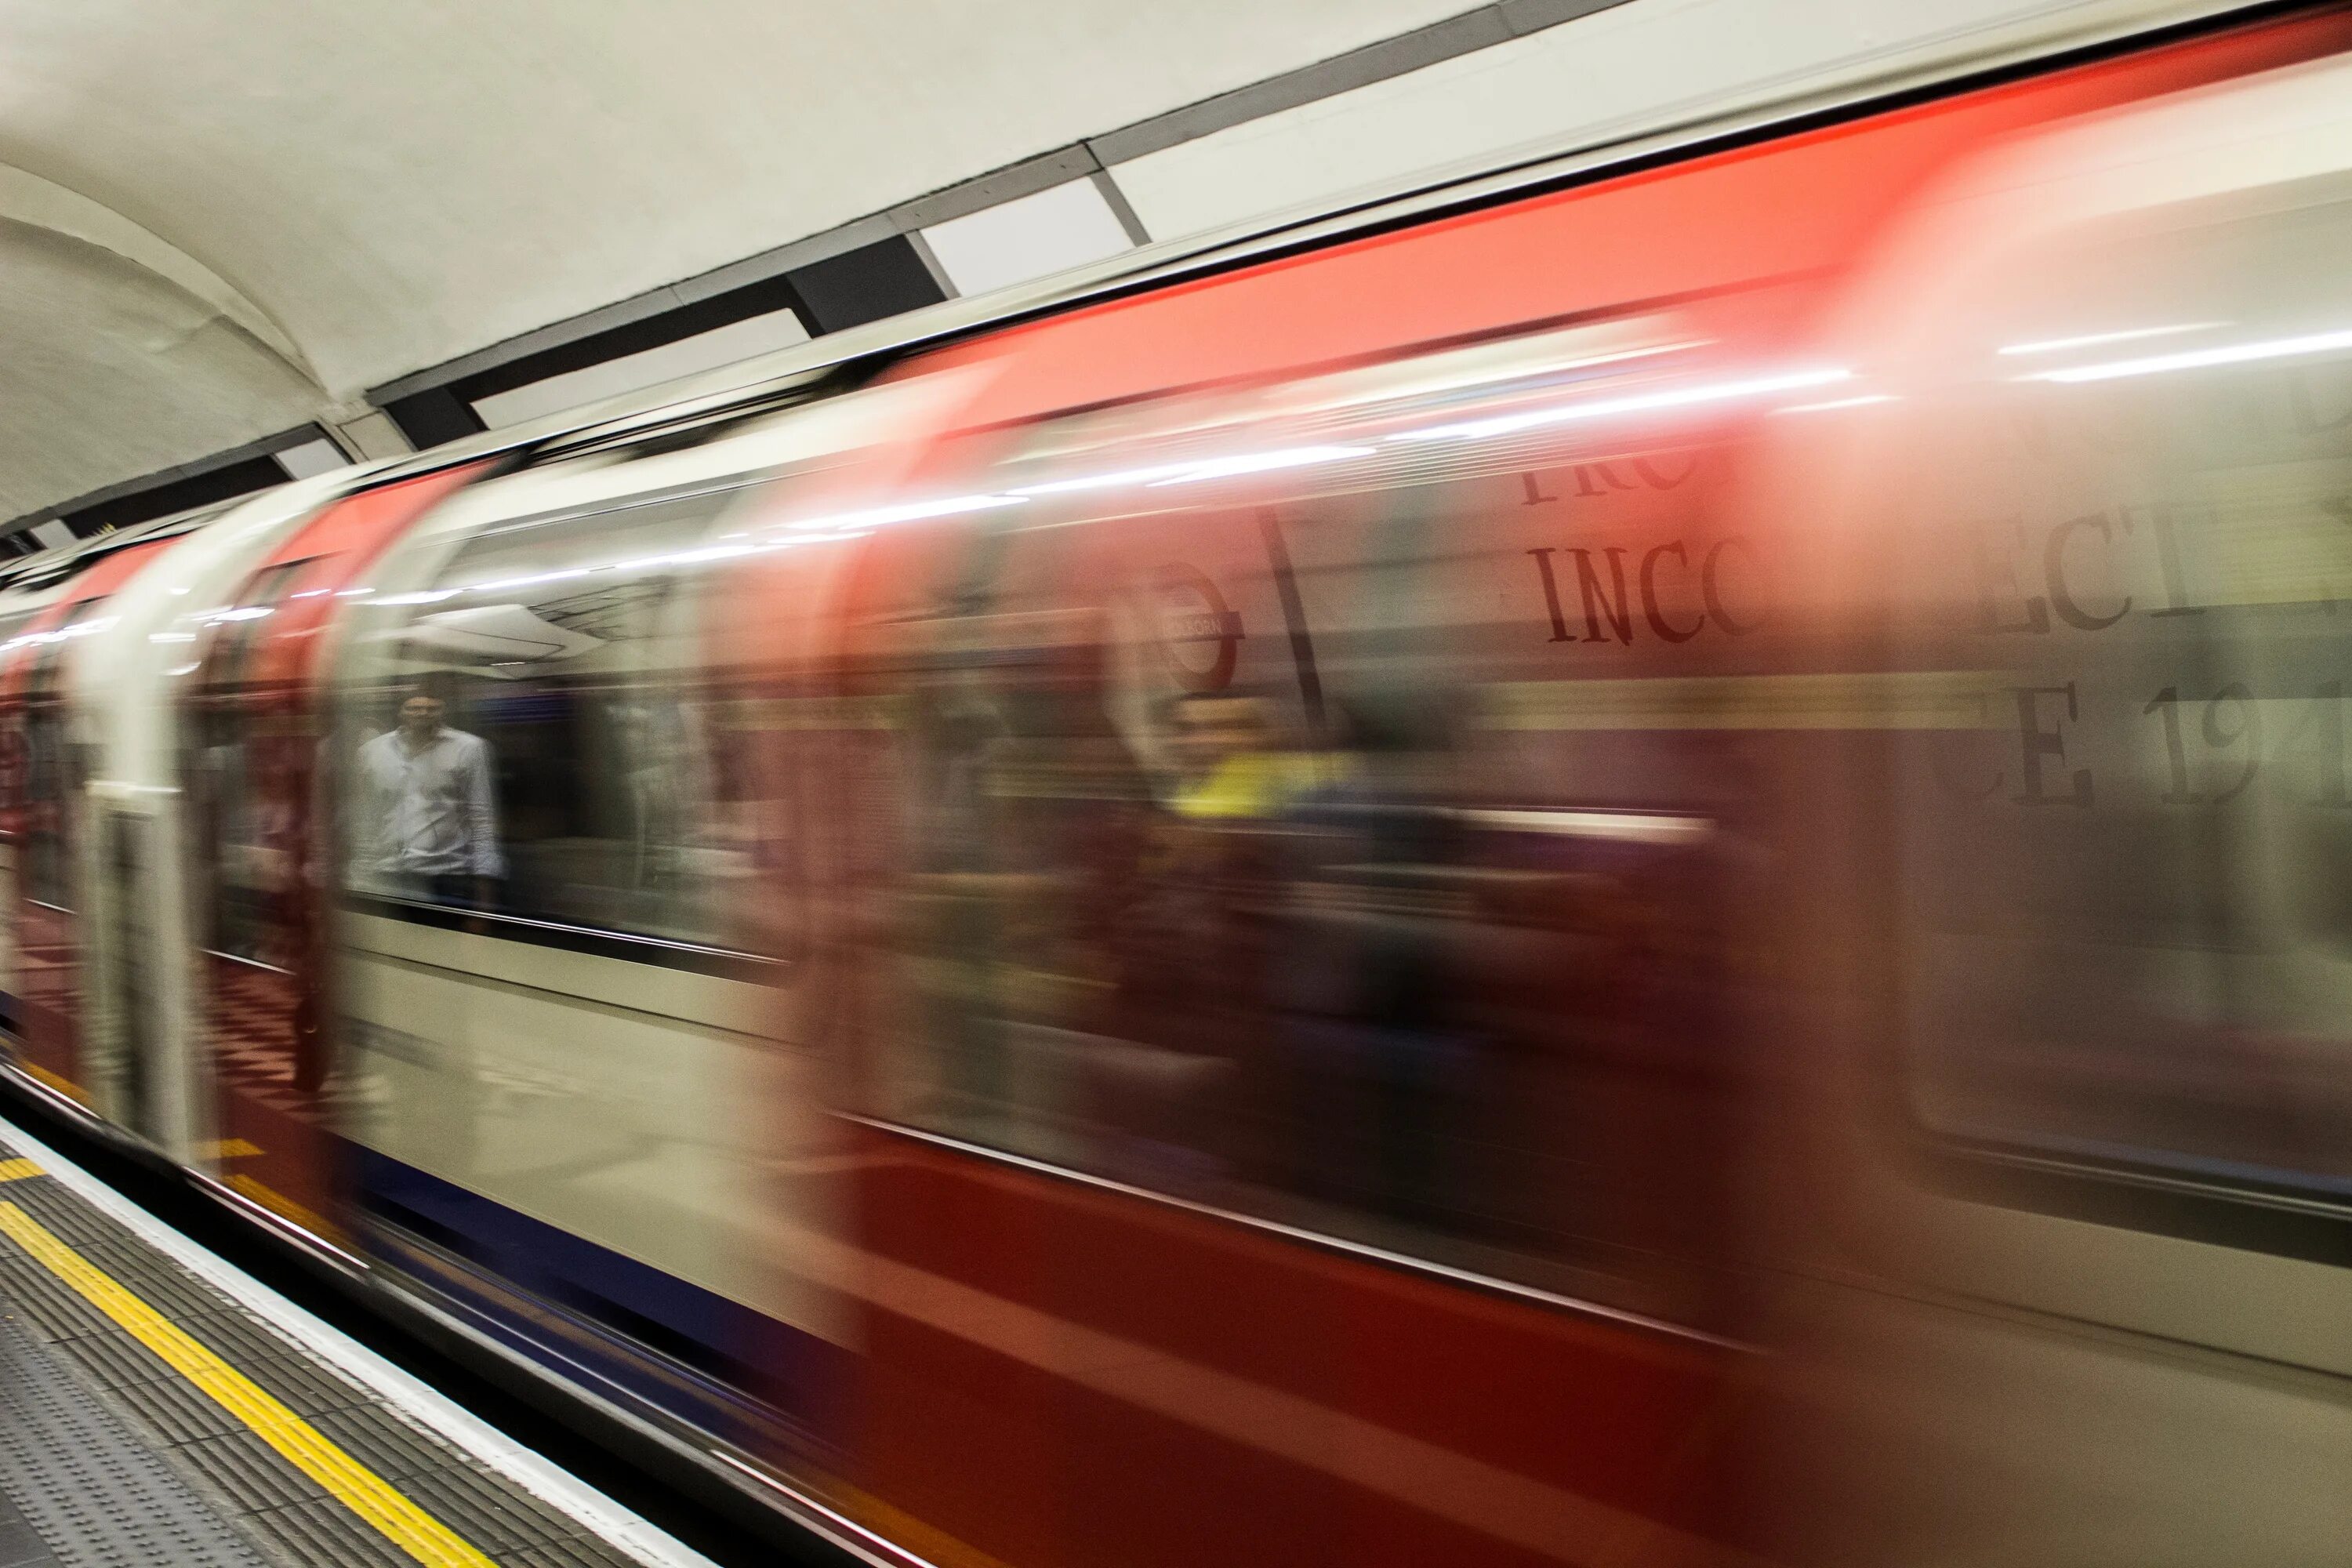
(429, 824)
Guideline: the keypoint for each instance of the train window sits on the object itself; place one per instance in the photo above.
(1255, 846)
(12, 737)
(249, 840)
(53, 766)
(2130, 940)
(541, 747)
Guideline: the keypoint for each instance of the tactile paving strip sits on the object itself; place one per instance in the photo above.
(43, 1302)
(21, 1545)
(326, 1532)
(284, 1372)
(383, 1442)
(85, 1482)
(225, 1469)
(175, 1412)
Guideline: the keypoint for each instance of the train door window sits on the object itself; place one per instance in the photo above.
(12, 639)
(1524, 910)
(246, 831)
(541, 747)
(2130, 941)
(13, 799)
(126, 959)
(1051, 690)
(1260, 849)
(52, 765)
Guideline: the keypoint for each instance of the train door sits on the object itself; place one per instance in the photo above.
(577, 1110)
(1314, 889)
(49, 811)
(49, 989)
(1023, 777)
(128, 677)
(255, 776)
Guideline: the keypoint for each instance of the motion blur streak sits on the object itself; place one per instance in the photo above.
(1421, 1474)
(2095, 340)
(1616, 407)
(2202, 359)
(1578, 881)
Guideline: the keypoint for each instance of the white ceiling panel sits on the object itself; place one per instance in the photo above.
(1065, 226)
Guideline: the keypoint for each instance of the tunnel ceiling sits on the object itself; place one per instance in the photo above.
(216, 218)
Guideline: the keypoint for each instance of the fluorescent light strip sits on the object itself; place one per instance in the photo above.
(1196, 470)
(530, 581)
(909, 512)
(800, 538)
(1637, 402)
(686, 557)
(1862, 402)
(2092, 340)
(1217, 468)
(2200, 359)
(1105, 481)
(537, 579)
(1261, 463)
(1440, 382)
(63, 634)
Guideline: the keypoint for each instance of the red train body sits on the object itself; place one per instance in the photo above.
(1324, 839)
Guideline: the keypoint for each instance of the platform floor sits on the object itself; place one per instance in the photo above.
(150, 1419)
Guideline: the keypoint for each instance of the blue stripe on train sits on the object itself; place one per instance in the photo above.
(594, 1315)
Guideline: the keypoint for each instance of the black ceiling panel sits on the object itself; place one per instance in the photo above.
(884, 278)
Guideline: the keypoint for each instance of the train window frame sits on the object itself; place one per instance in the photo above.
(46, 699)
(12, 626)
(739, 457)
(227, 659)
(435, 572)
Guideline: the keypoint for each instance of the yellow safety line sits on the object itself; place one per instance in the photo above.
(17, 1170)
(63, 1085)
(359, 1488)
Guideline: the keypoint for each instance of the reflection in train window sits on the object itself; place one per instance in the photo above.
(14, 745)
(540, 748)
(2128, 917)
(52, 767)
(1238, 862)
(247, 836)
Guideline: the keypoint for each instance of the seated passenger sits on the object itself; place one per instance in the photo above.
(428, 828)
(1229, 762)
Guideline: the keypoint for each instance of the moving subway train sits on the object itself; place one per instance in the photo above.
(1649, 871)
